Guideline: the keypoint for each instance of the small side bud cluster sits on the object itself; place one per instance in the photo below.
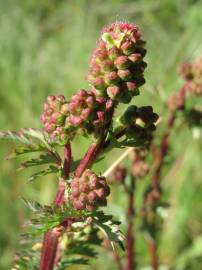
(54, 118)
(119, 174)
(88, 112)
(153, 196)
(192, 74)
(139, 122)
(117, 66)
(139, 167)
(89, 191)
(176, 101)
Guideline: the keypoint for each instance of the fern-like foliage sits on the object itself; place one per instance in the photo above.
(78, 244)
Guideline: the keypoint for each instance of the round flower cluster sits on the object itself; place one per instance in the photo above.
(83, 113)
(192, 73)
(54, 118)
(139, 122)
(116, 65)
(89, 191)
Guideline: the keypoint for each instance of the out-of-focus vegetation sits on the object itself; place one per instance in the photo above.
(44, 49)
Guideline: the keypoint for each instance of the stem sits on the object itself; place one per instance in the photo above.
(89, 158)
(95, 148)
(159, 158)
(153, 255)
(117, 260)
(67, 161)
(130, 239)
(50, 241)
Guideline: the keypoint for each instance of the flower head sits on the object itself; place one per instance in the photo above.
(116, 65)
(54, 118)
(89, 191)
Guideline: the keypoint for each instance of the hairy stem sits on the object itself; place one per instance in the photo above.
(50, 241)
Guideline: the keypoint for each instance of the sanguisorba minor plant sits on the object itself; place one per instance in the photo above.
(65, 232)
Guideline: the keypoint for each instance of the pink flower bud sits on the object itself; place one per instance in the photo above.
(128, 47)
(125, 74)
(112, 77)
(113, 91)
(131, 86)
(122, 62)
(99, 83)
(135, 57)
(107, 65)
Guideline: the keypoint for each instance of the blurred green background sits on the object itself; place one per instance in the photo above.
(44, 49)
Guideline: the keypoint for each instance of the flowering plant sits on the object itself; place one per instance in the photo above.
(67, 231)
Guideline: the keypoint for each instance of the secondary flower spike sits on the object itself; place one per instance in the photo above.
(89, 191)
(117, 66)
(54, 117)
(192, 74)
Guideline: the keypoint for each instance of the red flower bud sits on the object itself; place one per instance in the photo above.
(91, 192)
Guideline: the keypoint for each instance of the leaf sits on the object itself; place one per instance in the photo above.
(25, 150)
(32, 205)
(14, 136)
(109, 227)
(69, 262)
(51, 169)
(28, 255)
(124, 142)
(31, 140)
(41, 160)
(81, 249)
(49, 216)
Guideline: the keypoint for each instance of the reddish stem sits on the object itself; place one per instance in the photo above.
(67, 161)
(130, 239)
(95, 148)
(50, 241)
(88, 159)
(160, 156)
(154, 255)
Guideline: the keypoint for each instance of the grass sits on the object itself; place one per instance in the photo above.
(44, 49)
